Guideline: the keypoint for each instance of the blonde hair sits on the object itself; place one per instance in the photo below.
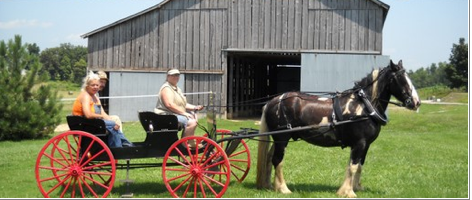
(90, 76)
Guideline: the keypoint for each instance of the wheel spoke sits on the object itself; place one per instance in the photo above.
(78, 141)
(180, 176)
(81, 178)
(53, 177)
(209, 186)
(86, 153)
(53, 168)
(56, 160)
(61, 152)
(93, 157)
(57, 185)
(94, 181)
(65, 188)
(181, 184)
(97, 173)
(72, 160)
(237, 167)
(239, 159)
(180, 163)
(96, 165)
(201, 188)
(236, 154)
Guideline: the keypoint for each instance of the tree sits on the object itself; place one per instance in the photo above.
(79, 71)
(33, 49)
(433, 75)
(30, 109)
(60, 62)
(457, 70)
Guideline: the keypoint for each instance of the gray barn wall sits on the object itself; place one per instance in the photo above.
(337, 72)
(135, 84)
(190, 34)
(195, 36)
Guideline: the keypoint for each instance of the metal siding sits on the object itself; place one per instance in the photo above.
(335, 72)
(135, 84)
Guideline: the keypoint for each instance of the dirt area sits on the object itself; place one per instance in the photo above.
(62, 128)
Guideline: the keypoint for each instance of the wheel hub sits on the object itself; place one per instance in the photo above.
(196, 172)
(75, 170)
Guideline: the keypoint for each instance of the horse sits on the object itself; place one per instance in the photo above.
(352, 118)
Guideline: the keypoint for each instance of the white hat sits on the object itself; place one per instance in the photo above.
(173, 71)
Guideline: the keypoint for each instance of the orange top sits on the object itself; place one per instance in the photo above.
(78, 110)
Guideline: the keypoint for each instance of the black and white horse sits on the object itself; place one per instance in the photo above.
(362, 109)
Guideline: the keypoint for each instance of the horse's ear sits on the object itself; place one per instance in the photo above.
(400, 64)
(395, 67)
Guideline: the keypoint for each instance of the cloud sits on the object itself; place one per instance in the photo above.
(21, 23)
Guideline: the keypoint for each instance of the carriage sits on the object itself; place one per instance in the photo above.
(78, 163)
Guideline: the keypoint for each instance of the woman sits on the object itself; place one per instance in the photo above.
(170, 100)
(88, 105)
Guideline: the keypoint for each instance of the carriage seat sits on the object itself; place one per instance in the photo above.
(94, 126)
(150, 120)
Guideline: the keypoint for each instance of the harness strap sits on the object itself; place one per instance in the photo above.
(282, 109)
(372, 111)
(337, 113)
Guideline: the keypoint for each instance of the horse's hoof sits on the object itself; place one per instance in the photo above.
(284, 191)
(348, 194)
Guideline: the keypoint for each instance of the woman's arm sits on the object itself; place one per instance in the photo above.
(191, 107)
(85, 100)
(167, 96)
(102, 111)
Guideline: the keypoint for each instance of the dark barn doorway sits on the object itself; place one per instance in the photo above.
(252, 77)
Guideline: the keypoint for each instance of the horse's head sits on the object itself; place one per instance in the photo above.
(401, 86)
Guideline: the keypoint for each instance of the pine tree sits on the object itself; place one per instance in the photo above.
(29, 108)
(457, 70)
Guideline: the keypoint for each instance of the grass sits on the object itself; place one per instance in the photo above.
(456, 97)
(417, 155)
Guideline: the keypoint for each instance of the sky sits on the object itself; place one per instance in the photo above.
(418, 32)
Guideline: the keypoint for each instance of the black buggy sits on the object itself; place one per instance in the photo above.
(78, 163)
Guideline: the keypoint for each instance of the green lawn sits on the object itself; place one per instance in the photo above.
(417, 155)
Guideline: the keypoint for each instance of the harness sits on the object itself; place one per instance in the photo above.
(373, 113)
(337, 113)
(282, 109)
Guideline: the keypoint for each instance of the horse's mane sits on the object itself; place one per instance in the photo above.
(368, 80)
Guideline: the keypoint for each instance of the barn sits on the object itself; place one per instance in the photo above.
(240, 50)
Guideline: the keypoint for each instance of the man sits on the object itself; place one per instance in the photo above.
(103, 82)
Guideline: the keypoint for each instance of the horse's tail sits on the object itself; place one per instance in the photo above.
(264, 157)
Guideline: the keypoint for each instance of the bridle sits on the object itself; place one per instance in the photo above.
(408, 98)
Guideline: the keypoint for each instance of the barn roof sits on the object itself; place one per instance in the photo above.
(159, 5)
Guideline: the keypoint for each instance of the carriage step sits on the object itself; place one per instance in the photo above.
(129, 195)
(127, 181)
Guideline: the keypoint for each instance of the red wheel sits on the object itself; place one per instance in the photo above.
(75, 164)
(239, 159)
(191, 172)
(103, 179)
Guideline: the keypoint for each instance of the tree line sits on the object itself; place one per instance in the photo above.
(453, 74)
